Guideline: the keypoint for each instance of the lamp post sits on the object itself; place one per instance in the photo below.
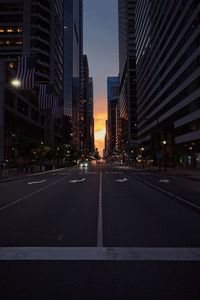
(2, 109)
(57, 154)
(165, 153)
(16, 84)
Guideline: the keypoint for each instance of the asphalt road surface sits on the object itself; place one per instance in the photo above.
(101, 232)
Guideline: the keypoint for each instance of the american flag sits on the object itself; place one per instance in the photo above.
(26, 71)
(47, 100)
(57, 112)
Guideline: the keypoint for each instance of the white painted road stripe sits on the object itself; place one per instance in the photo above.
(100, 222)
(122, 180)
(36, 182)
(164, 180)
(99, 254)
(168, 193)
(31, 194)
(77, 180)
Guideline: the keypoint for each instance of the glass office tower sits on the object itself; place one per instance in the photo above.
(73, 45)
(168, 78)
(127, 76)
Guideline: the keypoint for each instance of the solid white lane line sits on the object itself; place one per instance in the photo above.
(100, 254)
(77, 180)
(100, 221)
(168, 193)
(36, 182)
(31, 194)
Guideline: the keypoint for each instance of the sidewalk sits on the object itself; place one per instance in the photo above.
(12, 177)
(193, 173)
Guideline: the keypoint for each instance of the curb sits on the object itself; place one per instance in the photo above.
(28, 175)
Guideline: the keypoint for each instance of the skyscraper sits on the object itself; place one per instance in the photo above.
(85, 99)
(90, 109)
(31, 28)
(168, 79)
(127, 75)
(73, 28)
(112, 102)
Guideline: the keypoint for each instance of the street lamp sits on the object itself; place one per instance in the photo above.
(57, 154)
(41, 155)
(165, 143)
(16, 83)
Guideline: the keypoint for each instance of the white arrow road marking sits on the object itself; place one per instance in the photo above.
(36, 182)
(75, 181)
(164, 180)
(122, 180)
(32, 194)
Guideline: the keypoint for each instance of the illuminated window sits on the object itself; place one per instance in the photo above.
(19, 29)
(7, 42)
(11, 65)
(1, 30)
(10, 30)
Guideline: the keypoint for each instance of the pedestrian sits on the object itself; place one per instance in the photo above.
(3, 168)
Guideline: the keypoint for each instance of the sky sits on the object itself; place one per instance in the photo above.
(100, 41)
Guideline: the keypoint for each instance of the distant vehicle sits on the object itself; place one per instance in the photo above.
(84, 163)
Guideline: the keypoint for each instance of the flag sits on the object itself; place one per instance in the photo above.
(26, 71)
(57, 112)
(46, 97)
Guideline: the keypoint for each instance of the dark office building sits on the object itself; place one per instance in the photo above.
(30, 28)
(85, 94)
(73, 41)
(168, 79)
(87, 105)
(90, 109)
(112, 103)
(127, 76)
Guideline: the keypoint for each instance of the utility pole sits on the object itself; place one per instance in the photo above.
(2, 110)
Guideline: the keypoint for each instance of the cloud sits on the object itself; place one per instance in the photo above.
(100, 118)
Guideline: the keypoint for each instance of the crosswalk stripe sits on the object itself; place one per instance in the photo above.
(100, 253)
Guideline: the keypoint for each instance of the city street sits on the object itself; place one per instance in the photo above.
(106, 232)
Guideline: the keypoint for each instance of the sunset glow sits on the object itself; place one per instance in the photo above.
(100, 118)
